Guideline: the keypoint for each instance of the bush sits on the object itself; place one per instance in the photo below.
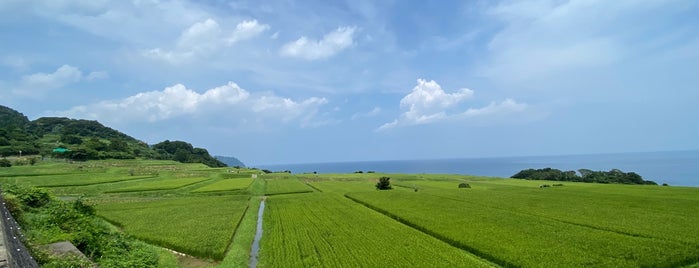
(464, 185)
(30, 196)
(384, 184)
(5, 163)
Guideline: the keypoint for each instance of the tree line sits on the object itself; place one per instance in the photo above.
(583, 175)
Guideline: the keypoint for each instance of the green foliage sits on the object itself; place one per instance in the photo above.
(384, 183)
(52, 220)
(29, 196)
(586, 175)
(5, 163)
(464, 185)
(184, 152)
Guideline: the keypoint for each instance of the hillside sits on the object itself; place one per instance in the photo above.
(79, 139)
(230, 161)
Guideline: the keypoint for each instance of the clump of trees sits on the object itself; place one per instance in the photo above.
(184, 152)
(464, 185)
(384, 183)
(585, 175)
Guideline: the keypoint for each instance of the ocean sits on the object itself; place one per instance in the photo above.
(677, 168)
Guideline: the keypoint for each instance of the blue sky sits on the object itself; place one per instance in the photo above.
(322, 81)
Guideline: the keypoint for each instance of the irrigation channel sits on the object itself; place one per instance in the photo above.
(258, 235)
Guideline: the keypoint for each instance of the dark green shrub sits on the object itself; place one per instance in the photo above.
(384, 184)
(464, 185)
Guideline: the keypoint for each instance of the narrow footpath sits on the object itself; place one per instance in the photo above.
(4, 257)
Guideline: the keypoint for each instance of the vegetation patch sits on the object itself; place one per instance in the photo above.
(199, 226)
(225, 185)
(159, 185)
(326, 230)
(510, 238)
(286, 185)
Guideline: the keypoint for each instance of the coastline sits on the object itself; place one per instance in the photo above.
(677, 168)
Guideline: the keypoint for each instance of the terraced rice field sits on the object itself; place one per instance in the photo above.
(225, 185)
(200, 226)
(159, 185)
(322, 230)
(341, 220)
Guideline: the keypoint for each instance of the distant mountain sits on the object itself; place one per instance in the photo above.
(79, 139)
(230, 161)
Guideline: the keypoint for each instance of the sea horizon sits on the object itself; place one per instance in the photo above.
(677, 168)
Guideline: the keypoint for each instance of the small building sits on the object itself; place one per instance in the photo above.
(60, 150)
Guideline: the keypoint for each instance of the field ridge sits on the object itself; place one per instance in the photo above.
(235, 230)
(492, 260)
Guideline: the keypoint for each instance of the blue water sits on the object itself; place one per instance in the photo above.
(679, 168)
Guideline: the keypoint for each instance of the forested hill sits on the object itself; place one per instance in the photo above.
(78, 139)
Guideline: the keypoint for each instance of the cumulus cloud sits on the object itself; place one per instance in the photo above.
(38, 83)
(429, 103)
(331, 44)
(178, 101)
(205, 38)
(247, 29)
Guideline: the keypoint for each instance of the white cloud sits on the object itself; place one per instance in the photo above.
(331, 44)
(245, 30)
(199, 39)
(428, 103)
(205, 38)
(64, 75)
(35, 85)
(178, 101)
(504, 107)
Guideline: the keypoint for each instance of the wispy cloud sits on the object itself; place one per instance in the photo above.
(374, 112)
(37, 84)
(540, 39)
(331, 44)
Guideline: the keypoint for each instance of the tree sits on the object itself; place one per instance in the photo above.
(384, 184)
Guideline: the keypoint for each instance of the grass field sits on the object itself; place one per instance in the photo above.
(341, 220)
(323, 230)
(225, 185)
(199, 226)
